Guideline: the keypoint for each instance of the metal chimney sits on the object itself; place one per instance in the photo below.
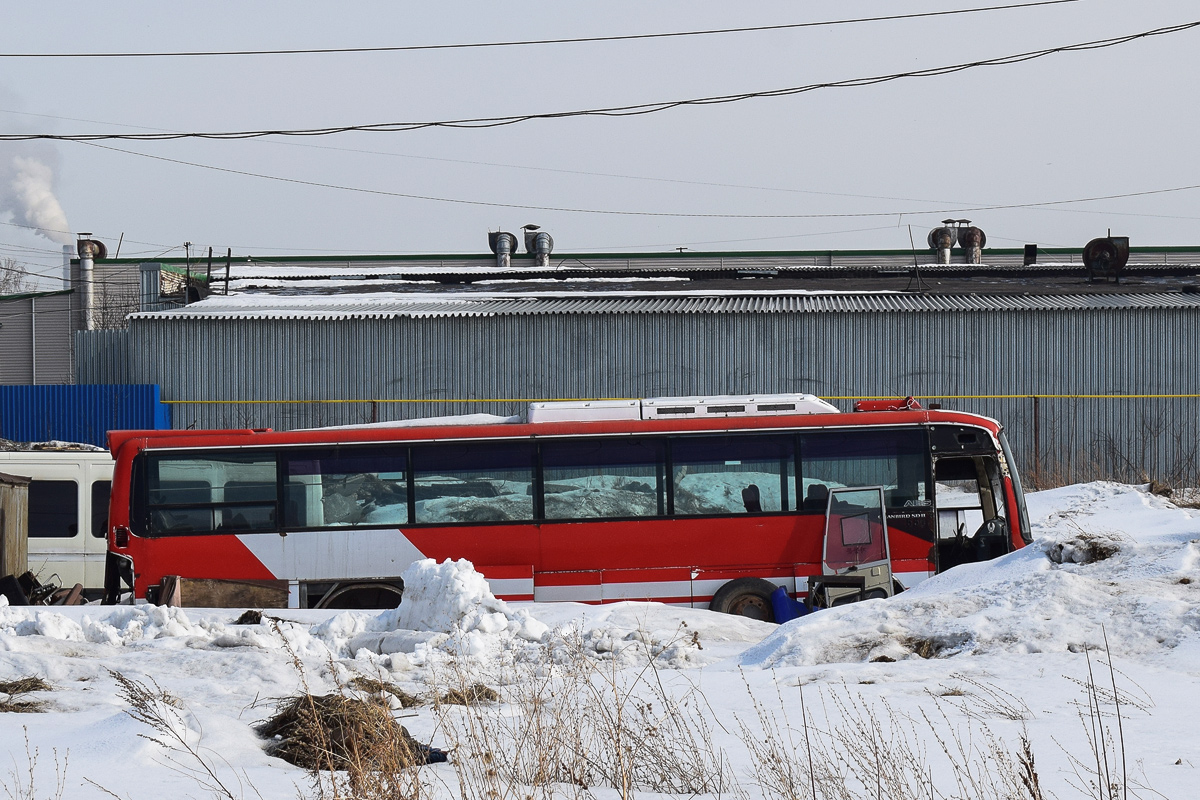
(539, 244)
(89, 250)
(503, 244)
(68, 254)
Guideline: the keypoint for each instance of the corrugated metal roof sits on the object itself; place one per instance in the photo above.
(390, 305)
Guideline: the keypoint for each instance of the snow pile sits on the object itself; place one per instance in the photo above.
(123, 626)
(445, 605)
(1132, 571)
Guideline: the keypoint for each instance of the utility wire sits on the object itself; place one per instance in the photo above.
(529, 42)
(637, 109)
(625, 213)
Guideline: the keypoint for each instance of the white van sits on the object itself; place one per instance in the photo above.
(68, 513)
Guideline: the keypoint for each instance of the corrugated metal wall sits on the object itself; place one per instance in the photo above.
(478, 360)
(102, 357)
(78, 413)
(35, 338)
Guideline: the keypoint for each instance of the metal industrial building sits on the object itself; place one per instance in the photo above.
(1091, 378)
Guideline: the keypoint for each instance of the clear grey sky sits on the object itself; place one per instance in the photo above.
(1068, 126)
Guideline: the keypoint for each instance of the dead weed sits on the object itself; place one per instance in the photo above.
(341, 733)
(17, 690)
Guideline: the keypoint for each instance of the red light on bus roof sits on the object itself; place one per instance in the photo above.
(905, 404)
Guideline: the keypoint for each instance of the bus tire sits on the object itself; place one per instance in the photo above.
(745, 597)
(362, 595)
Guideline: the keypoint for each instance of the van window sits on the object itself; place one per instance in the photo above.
(100, 493)
(53, 509)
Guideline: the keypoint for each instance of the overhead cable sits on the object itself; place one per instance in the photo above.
(637, 109)
(530, 42)
(626, 213)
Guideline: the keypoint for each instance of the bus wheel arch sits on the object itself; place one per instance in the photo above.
(745, 597)
(362, 595)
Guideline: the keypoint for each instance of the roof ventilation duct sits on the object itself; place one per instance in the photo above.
(538, 244)
(943, 239)
(503, 245)
(1106, 257)
(971, 240)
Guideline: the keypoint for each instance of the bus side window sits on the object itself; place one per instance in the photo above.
(181, 520)
(467, 483)
(53, 509)
(101, 490)
(893, 459)
(600, 478)
(730, 474)
(346, 487)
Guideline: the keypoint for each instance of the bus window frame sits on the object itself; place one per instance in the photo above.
(140, 507)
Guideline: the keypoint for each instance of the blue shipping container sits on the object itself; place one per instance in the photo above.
(71, 413)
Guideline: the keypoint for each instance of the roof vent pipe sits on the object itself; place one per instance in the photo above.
(503, 245)
(942, 239)
(972, 240)
(89, 250)
(539, 244)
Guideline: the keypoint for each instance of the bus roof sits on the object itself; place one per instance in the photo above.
(236, 438)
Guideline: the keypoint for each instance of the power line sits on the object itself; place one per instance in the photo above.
(530, 42)
(638, 109)
(959, 204)
(626, 213)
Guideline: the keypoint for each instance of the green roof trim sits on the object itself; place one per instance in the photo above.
(34, 295)
(173, 264)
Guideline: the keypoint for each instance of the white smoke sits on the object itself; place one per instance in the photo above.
(27, 192)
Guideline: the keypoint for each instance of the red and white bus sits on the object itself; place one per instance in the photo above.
(708, 502)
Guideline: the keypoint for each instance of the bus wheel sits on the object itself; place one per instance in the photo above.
(362, 595)
(745, 597)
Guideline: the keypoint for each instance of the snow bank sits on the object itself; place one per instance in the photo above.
(1107, 557)
(442, 603)
(122, 626)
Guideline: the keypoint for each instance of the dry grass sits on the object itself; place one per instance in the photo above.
(870, 750)
(982, 701)
(16, 693)
(22, 783)
(584, 723)
(332, 732)
(470, 695)
(377, 687)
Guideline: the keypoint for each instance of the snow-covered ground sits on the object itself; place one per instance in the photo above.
(976, 658)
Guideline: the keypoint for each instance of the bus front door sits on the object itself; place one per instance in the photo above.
(969, 496)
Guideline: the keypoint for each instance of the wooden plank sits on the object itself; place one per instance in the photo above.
(14, 520)
(210, 593)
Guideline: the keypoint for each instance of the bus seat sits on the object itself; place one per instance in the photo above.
(817, 497)
(751, 499)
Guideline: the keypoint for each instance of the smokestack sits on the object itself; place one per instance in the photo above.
(503, 245)
(539, 244)
(68, 254)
